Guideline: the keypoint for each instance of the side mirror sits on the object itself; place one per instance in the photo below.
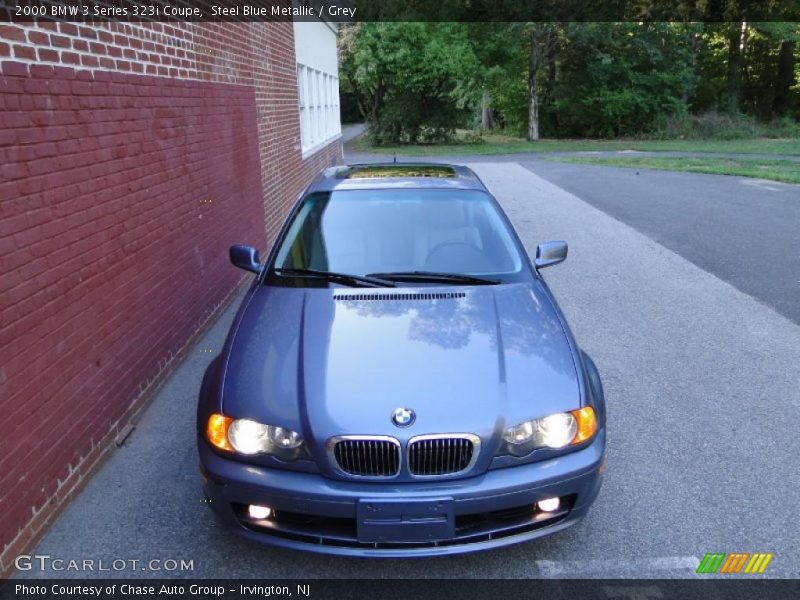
(550, 253)
(245, 257)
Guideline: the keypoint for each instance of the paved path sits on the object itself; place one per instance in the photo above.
(702, 385)
(352, 131)
(745, 231)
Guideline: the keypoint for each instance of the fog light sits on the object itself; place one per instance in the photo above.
(263, 512)
(548, 504)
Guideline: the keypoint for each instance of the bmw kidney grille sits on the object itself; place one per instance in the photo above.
(427, 455)
(368, 456)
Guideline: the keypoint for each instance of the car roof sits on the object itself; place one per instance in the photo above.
(396, 175)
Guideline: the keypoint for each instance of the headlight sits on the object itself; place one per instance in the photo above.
(249, 437)
(558, 430)
(283, 438)
(553, 431)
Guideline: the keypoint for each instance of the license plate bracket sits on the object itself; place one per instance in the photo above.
(405, 520)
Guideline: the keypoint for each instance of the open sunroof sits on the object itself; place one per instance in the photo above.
(371, 172)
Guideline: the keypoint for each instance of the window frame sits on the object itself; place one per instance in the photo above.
(318, 108)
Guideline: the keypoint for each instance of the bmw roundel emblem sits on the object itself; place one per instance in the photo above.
(403, 417)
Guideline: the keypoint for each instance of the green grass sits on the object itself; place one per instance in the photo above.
(500, 144)
(787, 171)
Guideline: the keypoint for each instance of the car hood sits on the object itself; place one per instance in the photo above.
(466, 359)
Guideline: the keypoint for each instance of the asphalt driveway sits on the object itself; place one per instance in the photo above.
(745, 231)
(702, 386)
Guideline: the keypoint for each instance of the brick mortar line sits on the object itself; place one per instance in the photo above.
(38, 525)
(225, 60)
(211, 79)
(230, 50)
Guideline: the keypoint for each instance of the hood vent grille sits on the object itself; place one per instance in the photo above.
(401, 297)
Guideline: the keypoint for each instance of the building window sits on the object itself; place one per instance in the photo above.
(318, 99)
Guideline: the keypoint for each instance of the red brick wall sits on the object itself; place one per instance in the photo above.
(131, 157)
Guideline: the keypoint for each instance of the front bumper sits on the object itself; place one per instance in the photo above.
(322, 515)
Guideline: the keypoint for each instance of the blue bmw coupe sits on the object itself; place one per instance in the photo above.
(399, 380)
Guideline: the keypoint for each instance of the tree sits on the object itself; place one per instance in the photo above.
(542, 44)
(784, 77)
(767, 68)
(415, 80)
(781, 40)
(621, 78)
(494, 49)
(533, 90)
(737, 37)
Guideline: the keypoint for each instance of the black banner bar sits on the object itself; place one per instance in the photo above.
(400, 10)
(713, 588)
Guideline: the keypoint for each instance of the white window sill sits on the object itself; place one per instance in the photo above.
(306, 152)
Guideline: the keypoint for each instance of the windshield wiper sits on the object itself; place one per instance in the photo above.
(345, 278)
(432, 276)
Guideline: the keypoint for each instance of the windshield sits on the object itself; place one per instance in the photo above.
(362, 232)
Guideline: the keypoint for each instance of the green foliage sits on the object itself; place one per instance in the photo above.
(474, 137)
(724, 126)
(502, 71)
(510, 100)
(414, 79)
(621, 79)
(418, 82)
(760, 85)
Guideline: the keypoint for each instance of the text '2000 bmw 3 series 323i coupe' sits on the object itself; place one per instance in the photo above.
(399, 380)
